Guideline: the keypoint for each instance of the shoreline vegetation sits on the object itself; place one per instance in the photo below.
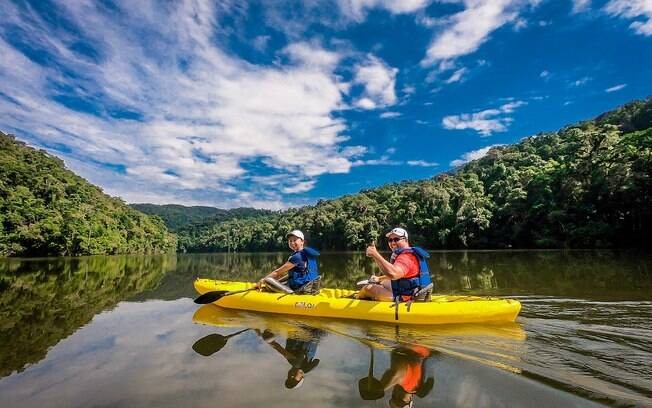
(47, 210)
(588, 185)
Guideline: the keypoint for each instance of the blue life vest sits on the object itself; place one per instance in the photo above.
(409, 286)
(300, 275)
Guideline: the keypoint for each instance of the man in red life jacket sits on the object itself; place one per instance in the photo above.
(403, 265)
(407, 376)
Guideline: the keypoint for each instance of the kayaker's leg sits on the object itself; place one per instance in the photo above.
(276, 286)
(377, 292)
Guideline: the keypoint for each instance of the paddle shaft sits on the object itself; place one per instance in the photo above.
(210, 297)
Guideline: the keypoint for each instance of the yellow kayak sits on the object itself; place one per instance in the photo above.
(337, 303)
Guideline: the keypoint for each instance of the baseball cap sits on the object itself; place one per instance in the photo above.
(295, 233)
(399, 232)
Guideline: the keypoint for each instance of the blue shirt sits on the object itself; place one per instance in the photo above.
(297, 260)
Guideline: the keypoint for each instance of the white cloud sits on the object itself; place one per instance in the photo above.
(615, 88)
(633, 9)
(260, 42)
(378, 81)
(422, 163)
(312, 55)
(470, 28)
(390, 115)
(472, 155)
(485, 122)
(581, 81)
(301, 187)
(198, 122)
(581, 5)
(357, 9)
(544, 74)
(457, 75)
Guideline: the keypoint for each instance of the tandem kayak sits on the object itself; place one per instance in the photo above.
(337, 303)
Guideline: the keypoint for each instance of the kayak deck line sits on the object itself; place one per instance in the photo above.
(339, 303)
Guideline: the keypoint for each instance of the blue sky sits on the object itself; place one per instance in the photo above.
(280, 103)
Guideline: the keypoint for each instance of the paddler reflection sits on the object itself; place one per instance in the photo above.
(299, 351)
(406, 377)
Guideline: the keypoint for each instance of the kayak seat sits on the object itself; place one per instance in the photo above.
(310, 288)
(424, 294)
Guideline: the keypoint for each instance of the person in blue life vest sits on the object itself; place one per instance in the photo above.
(406, 276)
(301, 268)
(299, 352)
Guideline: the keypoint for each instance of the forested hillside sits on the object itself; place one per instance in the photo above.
(587, 185)
(178, 217)
(46, 209)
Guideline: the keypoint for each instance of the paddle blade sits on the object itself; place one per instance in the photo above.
(210, 297)
(370, 389)
(209, 345)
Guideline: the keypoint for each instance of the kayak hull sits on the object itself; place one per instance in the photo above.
(334, 303)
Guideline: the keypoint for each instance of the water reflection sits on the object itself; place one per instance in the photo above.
(584, 329)
(46, 300)
(407, 377)
(409, 349)
(298, 351)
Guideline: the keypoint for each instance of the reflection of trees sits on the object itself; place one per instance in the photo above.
(44, 301)
(589, 273)
(476, 272)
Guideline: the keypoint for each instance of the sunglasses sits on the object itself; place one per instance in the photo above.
(394, 239)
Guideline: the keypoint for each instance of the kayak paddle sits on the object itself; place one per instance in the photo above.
(210, 297)
(212, 343)
(371, 388)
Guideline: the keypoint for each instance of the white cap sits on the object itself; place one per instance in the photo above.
(398, 232)
(295, 233)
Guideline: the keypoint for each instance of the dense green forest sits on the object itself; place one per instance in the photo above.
(587, 185)
(178, 217)
(46, 209)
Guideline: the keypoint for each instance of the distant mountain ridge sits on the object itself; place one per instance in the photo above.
(46, 209)
(587, 185)
(177, 217)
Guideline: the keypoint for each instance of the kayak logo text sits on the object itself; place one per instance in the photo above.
(304, 305)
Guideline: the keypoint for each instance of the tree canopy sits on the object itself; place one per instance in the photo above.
(46, 209)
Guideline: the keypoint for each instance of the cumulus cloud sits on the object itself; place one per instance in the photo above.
(615, 88)
(631, 9)
(467, 30)
(485, 122)
(378, 81)
(472, 155)
(146, 89)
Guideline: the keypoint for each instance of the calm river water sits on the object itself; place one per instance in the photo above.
(122, 331)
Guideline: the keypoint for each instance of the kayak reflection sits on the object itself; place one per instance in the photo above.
(410, 349)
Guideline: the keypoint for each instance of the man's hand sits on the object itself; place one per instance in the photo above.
(371, 250)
